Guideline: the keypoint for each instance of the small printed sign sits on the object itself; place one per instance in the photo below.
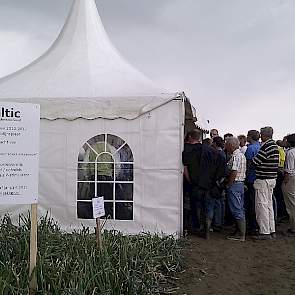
(19, 152)
(98, 207)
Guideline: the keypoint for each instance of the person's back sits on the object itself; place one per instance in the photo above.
(235, 187)
(266, 168)
(214, 165)
(267, 160)
(191, 159)
(200, 160)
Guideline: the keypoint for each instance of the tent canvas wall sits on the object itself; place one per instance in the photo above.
(105, 129)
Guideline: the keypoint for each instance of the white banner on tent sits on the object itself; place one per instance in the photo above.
(19, 153)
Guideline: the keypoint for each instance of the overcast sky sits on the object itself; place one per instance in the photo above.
(235, 59)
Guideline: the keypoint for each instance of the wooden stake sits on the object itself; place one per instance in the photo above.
(33, 250)
(98, 234)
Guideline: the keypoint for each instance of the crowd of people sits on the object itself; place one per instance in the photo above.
(248, 181)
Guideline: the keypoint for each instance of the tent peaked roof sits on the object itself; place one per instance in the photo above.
(82, 62)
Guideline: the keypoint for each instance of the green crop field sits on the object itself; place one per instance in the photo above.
(73, 264)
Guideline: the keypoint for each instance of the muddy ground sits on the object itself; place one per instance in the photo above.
(220, 266)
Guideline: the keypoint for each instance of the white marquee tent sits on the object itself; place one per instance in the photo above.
(105, 130)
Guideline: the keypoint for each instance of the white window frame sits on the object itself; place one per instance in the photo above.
(114, 181)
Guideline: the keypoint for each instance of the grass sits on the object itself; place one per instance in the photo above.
(73, 264)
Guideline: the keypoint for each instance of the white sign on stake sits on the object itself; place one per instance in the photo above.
(98, 207)
(19, 153)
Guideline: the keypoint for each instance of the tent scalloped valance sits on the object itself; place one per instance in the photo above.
(103, 107)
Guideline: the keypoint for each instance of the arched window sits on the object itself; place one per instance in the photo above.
(105, 168)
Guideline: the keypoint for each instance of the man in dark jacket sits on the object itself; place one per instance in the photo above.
(202, 168)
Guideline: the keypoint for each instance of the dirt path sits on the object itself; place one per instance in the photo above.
(220, 266)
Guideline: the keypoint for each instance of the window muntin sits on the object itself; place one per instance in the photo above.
(106, 168)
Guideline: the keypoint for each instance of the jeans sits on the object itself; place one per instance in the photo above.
(202, 206)
(219, 212)
(236, 200)
(209, 206)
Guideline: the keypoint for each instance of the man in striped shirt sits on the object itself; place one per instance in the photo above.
(266, 168)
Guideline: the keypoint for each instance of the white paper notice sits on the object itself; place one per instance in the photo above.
(19, 153)
(98, 207)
